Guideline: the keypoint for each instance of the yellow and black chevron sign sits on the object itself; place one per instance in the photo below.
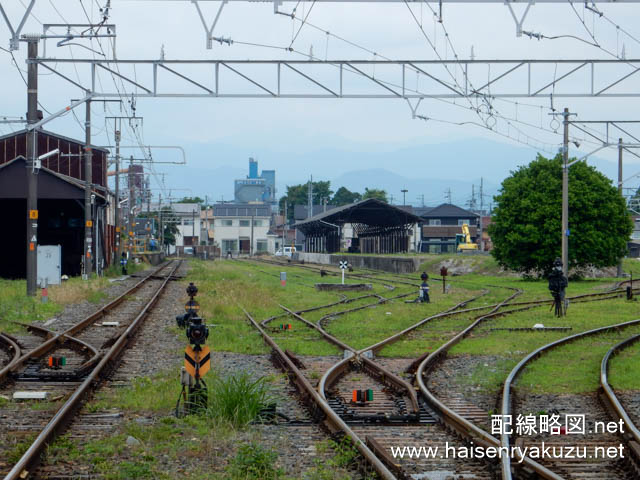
(197, 362)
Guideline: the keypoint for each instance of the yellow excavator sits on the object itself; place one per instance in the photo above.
(463, 240)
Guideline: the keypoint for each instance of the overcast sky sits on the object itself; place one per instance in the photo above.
(303, 126)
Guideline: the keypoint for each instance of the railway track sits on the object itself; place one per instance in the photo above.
(395, 415)
(372, 425)
(591, 443)
(92, 349)
(616, 406)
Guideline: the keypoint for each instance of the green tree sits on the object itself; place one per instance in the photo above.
(526, 224)
(376, 193)
(197, 200)
(299, 194)
(345, 196)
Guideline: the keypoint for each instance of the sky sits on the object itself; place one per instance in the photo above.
(291, 136)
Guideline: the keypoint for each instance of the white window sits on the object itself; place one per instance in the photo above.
(223, 222)
(463, 221)
(261, 245)
(187, 221)
(257, 223)
(434, 222)
(244, 223)
(229, 245)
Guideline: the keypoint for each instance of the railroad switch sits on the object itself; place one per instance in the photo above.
(362, 396)
(56, 362)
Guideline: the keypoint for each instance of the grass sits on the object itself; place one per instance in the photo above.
(238, 399)
(169, 441)
(16, 306)
(157, 394)
(623, 368)
(225, 286)
(254, 462)
(257, 287)
(551, 373)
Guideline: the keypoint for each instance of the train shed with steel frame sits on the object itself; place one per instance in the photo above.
(377, 228)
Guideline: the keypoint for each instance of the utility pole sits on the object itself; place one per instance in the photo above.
(284, 226)
(620, 190)
(160, 226)
(251, 248)
(131, 204)
(472, 204)
(32, 178)
(421, 198)
(565, 194)
(193, 232)
(88, 217)
(310, 199)
(404, 196)
(447, 195)
(117, 206)
(481, 214)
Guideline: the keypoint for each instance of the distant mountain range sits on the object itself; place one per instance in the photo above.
(428, 170)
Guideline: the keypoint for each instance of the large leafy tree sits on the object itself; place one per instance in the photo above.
(299, 194)
(376, 193)
(526, 224)
(344, 196)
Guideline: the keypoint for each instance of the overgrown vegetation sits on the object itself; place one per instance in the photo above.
(526, 223)
(15, 306)
(255, 462)
(238, 398)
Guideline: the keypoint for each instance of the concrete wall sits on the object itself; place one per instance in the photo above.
(155, 258)
(384, 263)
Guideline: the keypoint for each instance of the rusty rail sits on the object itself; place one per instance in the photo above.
(49, 344)
(12, 346)
(613, 399)
(452, 418)
(506, 392)
(388, 377)
(22, 469)
(82, 347)
(334, 422)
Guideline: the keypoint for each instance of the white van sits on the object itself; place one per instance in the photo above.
(288, 251)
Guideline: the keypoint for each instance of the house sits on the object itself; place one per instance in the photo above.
(280, 234)
(207, 226)
(487, 244)
(634, 241)
(441, 224)
(241, 227)
(187, 219)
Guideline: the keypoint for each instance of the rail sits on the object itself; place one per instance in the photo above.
(31, 457)
(506, 392)
(335, 423)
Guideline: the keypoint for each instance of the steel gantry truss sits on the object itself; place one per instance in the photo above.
(373, 79)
